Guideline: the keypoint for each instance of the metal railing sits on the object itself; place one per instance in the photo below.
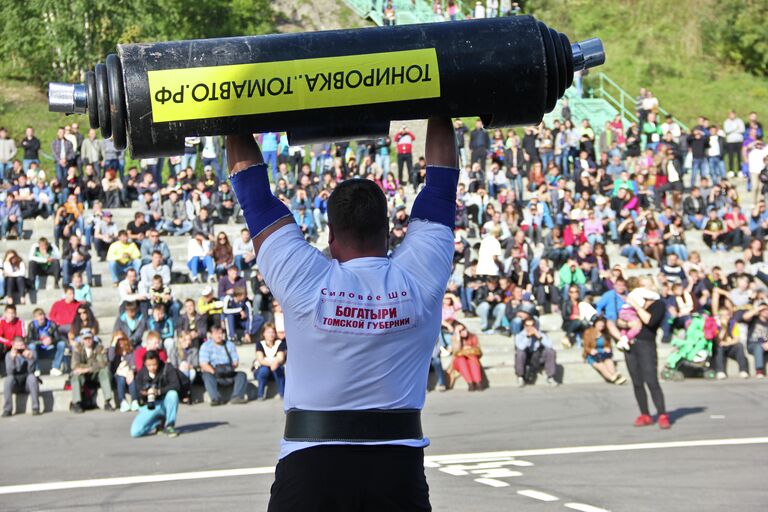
(622, 101)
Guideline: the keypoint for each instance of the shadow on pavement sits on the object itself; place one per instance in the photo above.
(198, 427)
(680, 412)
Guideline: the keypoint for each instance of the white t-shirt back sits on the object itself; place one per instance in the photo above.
(490, 248)
(361, 333)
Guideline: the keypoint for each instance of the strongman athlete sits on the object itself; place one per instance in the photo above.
(361, 326)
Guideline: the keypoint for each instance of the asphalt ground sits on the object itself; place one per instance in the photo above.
(535, 449)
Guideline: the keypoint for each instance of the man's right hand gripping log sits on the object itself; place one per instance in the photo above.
(361, 328)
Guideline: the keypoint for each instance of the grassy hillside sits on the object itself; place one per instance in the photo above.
(652, 43)
(22, 105)
(664, 46)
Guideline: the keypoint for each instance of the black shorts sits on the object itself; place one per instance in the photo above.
(341, 478)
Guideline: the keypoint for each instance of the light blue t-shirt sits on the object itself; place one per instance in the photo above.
(269, 141)
(372, 321)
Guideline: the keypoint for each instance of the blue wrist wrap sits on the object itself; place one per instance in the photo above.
(437, 200)
(260, 207)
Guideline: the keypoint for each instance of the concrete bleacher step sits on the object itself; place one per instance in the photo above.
(54, 398)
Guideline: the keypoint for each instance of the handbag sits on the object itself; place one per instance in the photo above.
(470, 352)
(225, 373)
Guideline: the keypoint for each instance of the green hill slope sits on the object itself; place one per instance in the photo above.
(669, 47)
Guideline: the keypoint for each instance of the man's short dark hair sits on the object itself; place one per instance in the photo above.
(151, 354)
(357, 210)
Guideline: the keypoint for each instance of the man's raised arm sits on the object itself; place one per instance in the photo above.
(437, 200)
(264, 213)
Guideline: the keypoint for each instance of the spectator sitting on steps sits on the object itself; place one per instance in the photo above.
(131, 322)
(152, 343)
(20, 366)
(123, 255)
(104, 233)
(466, 357)
(89, 365)
(597, 351)
(153, 243)
(63, 311)
(43, 336)
(175, 216)
(270, 361)
(219, 362)
(534, 351)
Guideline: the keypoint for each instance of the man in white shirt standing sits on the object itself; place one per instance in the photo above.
(353, 438)
(734, 136)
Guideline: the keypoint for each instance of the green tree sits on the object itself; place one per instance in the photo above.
(48, 40)
(736, 30)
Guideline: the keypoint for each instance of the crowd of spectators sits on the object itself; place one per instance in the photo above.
(538, 212)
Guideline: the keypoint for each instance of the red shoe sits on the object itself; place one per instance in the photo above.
(664, 421)
(644, 421)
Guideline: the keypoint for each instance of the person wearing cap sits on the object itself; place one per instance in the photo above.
(209, 307)
(374, 395)
(607, 216)
(210, 182)
(104, 233)
(89, 365)
(757, 337)
(211, 148)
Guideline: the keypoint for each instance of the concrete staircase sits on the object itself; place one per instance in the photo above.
(498, 350)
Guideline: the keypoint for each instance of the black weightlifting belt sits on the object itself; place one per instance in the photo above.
(370, 425)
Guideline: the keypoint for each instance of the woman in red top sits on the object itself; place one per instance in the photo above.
(466, 356)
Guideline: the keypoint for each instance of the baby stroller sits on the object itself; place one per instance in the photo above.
(693, 356)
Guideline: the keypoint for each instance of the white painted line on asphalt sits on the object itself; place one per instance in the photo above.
(521, 463)
(491, 482)
(132, 480)
(496, 473)
(489, 465)
(454, 471)
(717, 417)
(537, 495)
(584, 508)
(431, 461)
(570, 450)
